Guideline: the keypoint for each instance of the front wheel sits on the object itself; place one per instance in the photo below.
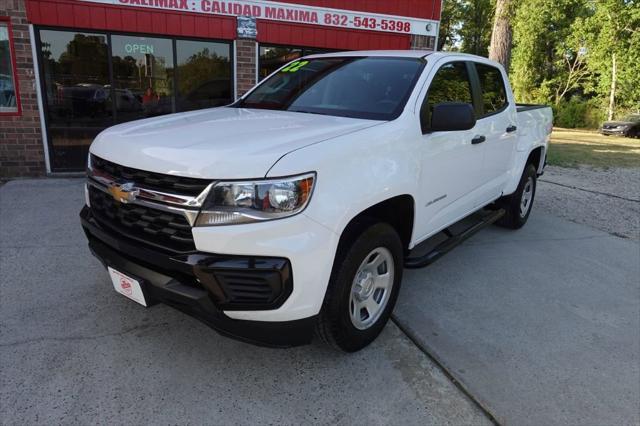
(363, 289)
(518, 205)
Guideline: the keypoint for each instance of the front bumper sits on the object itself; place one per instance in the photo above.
(621, 132)
(194, 283)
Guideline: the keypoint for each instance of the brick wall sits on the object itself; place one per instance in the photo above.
(245, 65)
(21, 151)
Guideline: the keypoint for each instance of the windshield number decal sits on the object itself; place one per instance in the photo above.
(294, 66)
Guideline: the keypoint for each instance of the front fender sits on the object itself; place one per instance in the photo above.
(355, 172)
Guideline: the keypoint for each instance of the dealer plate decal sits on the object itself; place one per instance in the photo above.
(127, 286)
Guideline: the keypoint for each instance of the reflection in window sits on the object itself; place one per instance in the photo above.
(273, 57)
(450, 84)
(369, 87)
(204, 75)
(75, 77)
(494, 95)
(8, 97)
(143, 76)
(81, 99)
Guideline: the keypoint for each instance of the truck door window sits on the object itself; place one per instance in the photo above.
(450, 84)
(494, 94)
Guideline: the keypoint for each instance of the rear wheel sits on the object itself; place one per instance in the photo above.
(363, 289)
(518, 205)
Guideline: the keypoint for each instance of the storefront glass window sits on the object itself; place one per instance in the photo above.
(204, 74)
(273, 57)
(84, 92)
(8, 96)
(76, 85)
(143, 76)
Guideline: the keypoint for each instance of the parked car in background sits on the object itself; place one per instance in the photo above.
(79, 101)
(629, 127)
(297, 207)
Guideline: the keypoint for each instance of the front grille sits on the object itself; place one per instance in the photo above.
(150, 180)
(162, 229)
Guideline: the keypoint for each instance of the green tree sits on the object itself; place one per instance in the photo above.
(476, 24)
(450, 21)
(545, 65)
(610, 35)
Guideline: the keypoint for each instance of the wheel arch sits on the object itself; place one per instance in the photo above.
(536, 157)
(398, 211)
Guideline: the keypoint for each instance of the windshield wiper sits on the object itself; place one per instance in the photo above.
(304, 111)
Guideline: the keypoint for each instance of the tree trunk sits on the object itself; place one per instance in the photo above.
(500, 48)
(612, 94)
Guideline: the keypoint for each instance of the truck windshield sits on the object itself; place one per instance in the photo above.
(374, 88)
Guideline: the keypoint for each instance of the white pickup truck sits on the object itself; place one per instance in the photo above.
(296, 208)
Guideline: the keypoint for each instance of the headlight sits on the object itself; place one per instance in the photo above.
(256, 201)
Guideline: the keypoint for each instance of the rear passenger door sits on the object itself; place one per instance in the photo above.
(497, 123)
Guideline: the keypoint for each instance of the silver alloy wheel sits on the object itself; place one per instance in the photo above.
(527, 196)
(371, 288)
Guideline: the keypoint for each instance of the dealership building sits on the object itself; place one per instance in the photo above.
(71, 68)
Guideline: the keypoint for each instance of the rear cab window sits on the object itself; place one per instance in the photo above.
(493, 91)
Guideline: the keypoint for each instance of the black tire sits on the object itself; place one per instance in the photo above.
(334, 324)
(515, 217)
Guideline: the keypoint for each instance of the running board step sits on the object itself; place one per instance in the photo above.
(453, 240)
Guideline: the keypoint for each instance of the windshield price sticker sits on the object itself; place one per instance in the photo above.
(294, 66)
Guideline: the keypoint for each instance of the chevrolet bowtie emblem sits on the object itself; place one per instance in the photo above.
(124, 193)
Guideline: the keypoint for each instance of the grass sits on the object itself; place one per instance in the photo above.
(573, 148)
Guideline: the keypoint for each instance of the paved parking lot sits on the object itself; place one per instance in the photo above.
(541, 326)
(75, 352)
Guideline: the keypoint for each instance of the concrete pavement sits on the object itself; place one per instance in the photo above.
(72, 351)
(541, 325)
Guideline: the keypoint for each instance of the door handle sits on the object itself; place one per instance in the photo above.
(511, 129)
(478, 139)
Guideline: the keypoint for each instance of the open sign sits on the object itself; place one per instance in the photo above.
(138, 48)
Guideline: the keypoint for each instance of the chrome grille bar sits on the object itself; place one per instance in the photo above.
(186, 205)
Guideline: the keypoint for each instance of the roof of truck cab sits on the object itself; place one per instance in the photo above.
(380, 53)
(391, 53)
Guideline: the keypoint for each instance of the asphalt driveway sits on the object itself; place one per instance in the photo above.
(72, 351)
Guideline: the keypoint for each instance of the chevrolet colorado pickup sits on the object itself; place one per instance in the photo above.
(296, 208)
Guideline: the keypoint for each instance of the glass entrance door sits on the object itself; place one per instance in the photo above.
(75, 79)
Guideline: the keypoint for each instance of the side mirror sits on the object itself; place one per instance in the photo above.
(449, 117)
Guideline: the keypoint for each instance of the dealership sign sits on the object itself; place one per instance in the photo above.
(293, 13)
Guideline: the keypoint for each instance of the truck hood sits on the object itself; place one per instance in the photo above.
(218, 143)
